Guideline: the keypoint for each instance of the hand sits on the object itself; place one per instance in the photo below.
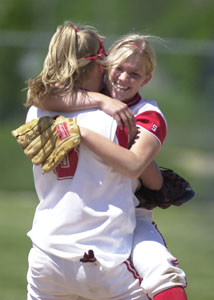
(121, 113)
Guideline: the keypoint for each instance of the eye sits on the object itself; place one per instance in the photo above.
(118, 68)
(135, 75)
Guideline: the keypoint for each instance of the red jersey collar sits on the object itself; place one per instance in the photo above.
(133, 101)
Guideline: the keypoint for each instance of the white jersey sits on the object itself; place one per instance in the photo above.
(84, 204)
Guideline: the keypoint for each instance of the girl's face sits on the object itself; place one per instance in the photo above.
(125, 80)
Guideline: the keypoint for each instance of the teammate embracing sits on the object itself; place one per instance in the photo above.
(89, 208)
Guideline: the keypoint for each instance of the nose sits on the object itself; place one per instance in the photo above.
(124, 76)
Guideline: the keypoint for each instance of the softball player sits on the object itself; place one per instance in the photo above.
(158, 268)
(131, 62)
(83, 226)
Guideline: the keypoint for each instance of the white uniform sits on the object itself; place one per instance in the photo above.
(84, 205)
(99, 220)
(157, 267)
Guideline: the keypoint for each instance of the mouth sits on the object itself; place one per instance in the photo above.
(119, 87)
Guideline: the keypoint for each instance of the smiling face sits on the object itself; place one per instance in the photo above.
(125, 80)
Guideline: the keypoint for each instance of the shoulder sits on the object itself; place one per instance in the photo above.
(146, 105)
(31, 114)
(34, 113)
(150, 117)
(95, 118)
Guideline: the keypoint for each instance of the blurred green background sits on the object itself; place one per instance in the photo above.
(183, 85)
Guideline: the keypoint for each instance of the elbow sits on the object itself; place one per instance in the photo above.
(134, 172)
(134, 175)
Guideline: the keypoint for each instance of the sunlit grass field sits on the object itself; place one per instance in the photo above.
(188, 230)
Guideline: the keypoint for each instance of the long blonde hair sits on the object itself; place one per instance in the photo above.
(132, 44)
(71, 56)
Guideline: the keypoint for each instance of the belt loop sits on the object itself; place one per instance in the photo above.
(88, 257)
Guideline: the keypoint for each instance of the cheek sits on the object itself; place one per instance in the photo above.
(140, 83)
(136, 84)
(113, 74)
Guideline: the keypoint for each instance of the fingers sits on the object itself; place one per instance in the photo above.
(121, 113)
(125, 118)
(130, 121)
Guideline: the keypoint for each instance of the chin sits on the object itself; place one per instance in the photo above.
(117, 95)
(120, 97)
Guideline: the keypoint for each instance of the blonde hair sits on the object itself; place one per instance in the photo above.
(66, 63)
(132, 44)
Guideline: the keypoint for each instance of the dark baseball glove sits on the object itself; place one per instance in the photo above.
(175, 191)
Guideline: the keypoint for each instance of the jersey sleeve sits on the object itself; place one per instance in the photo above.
(153, 122)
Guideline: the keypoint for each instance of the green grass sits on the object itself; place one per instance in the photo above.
(17, 167)
(16, 213)
(188, 231)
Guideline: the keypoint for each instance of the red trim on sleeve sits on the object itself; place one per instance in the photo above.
(153, 122)
(122, 136)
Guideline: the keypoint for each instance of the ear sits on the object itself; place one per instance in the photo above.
(148, 78)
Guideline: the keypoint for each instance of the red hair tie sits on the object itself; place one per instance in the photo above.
(138, 46)
(101, 52)
(75, 28)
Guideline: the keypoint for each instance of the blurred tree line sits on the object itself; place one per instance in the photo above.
(26, 27)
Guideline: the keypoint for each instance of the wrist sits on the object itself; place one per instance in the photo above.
(100, 101)
(96, 100)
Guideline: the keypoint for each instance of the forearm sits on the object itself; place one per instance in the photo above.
(152, 177)
(71, 102)
(82, 100)
(129, 163)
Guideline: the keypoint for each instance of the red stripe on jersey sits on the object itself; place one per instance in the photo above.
(131, 269)
(153, 122)
(122, 136)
